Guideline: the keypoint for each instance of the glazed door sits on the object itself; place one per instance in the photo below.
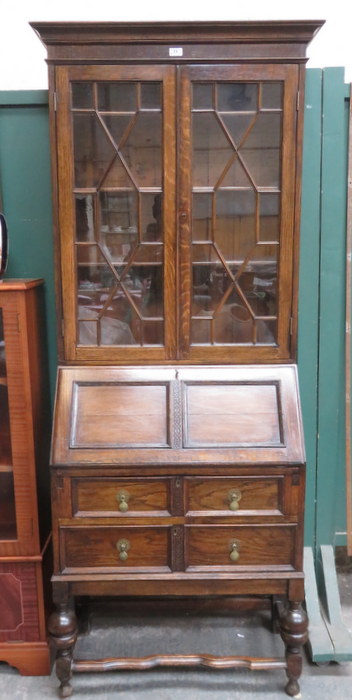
(8, 523)
(237, 208)
(116, 173)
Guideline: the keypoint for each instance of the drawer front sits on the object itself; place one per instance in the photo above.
(243, 546)
(120, 497)
(107, 548)
(235, 495)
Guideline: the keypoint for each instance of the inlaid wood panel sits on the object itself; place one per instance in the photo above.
(120, 497)
(234, 495)
(106, 548)
(256, 546)
(19, 619)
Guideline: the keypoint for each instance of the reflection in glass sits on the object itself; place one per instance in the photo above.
(210, 284)
(84, 217)
(235, 224)
(269, 213)
(118, 212)
(238, 125)
(151, 217)
(201, 216)
(82, 96)
(117, 97)
(150, 95)
(93, 151)
(272, 95)
(2, 348)
(211, 149)
(8, 526)
(142, 150)
(237, 97)
(203, 96)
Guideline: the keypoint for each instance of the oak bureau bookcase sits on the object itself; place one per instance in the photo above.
(177, 453)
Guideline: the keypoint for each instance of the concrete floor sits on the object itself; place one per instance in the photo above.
(185, 629)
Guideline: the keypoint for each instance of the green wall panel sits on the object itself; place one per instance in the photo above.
(308, 311)
(26, 195)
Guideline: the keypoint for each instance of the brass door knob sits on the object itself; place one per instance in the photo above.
(123, 547)
(235, 496)
(234, 550)
(123, 497)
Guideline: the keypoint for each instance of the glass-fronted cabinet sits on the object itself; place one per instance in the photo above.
(176, 239)
(24, 457)
(8, 528)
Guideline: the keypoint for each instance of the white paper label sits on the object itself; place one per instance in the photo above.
(176, 51)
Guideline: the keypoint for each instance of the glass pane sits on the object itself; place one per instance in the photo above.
(258, 281)
(203, 96)
(272, 95)
(117, 97)
(117, 126)
(261, 150)
(200, 331)
(233, 323)
(119, 247)
(211, 149)
(118, 212)
(238, 125)
(266, 331)
(142, 150)
(105, 330)
(210, 283)
(153, 333)
(2, 348)
(269, 213)
(8, 528)
(201, 217)
(237, 97)
(5, 438)
(150, 95)
(85, 217)
(235, 228)
(82, 96)
(93, 152)
(151, 217)
(144, 284)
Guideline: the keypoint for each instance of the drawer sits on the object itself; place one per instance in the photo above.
(106, 548)
(120, 497)
(227, 547)
(235, 496)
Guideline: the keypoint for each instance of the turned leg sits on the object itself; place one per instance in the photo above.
(62, 627)
(293, 623)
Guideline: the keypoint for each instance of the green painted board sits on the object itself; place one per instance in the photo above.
(308, 307)
(331, 396)
(26, 193)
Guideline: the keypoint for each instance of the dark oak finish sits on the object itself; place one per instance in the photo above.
(177, 452)
(24, 461)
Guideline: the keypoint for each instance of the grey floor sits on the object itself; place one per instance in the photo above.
(184, 629)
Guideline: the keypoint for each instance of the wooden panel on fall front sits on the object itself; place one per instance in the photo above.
(232, 414)
(112, 415)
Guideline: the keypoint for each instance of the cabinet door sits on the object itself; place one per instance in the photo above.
(237, 200)
(116, 196)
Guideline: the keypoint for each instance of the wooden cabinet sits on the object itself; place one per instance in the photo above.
(177, 453)
(24, 461)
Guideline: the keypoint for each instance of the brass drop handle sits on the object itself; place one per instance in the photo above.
(123, 547)
(123, 497)
(234, 550)
(235, 496)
